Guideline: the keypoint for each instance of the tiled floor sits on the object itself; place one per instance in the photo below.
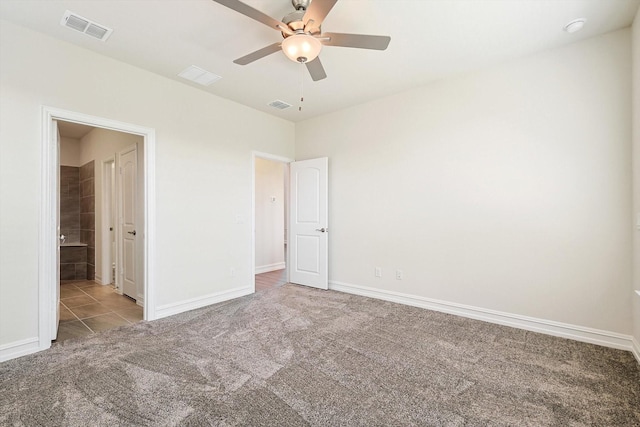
(272, 279)
(87, 307)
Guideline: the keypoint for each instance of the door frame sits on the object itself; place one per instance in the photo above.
(275, 158)
(49, 215)
(108, 187)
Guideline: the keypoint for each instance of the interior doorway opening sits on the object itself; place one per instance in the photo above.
(95, 274)
(270, 220)
(98, 186)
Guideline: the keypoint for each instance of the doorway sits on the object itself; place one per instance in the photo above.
(270, 220)
(49, 290)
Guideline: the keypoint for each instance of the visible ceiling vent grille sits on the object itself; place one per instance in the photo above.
(84, 25)
(280, 105)
(198, 75)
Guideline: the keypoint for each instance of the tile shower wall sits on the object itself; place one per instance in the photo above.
(88, 215)
(73, 263)
(70, 203)
(73, 259)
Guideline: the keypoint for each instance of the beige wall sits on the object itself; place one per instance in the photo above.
(70, 152)
(269, 214)
(636, 182)
(203, 169)
(506, 189)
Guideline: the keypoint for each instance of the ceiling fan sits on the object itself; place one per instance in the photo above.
(303, 38)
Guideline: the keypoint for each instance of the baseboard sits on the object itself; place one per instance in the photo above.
(635, 348)
(549, 327)
(270, 267)
(98, 280)
(203, 301)
(19, 348)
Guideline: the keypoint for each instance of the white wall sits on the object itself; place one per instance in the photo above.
(69, 152)
(269, 215)
(636, 182)
(100, 145)
(506, 189)
(203, 169)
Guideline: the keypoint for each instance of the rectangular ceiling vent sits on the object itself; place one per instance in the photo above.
(86, 26)
(198, 75)
(280, 105)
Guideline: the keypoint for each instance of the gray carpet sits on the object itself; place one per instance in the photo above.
(295, 356)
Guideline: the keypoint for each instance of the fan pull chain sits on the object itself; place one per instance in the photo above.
(301, 86)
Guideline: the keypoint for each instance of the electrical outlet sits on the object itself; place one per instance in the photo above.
(399, 274)
(378, 272)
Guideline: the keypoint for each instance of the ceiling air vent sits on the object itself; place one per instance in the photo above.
(280, 105)
(86, 26)
(198, 75)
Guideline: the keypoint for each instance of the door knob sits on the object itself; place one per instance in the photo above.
(322, 230)
(132, 232)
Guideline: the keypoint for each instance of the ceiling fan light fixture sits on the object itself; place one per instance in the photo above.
(301, 48)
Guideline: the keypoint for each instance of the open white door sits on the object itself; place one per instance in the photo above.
(56, 135)
(309, 214)
(127, 177)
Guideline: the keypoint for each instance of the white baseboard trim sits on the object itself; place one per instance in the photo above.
(98, 280)
(19, 348)
(270, 267)
(635, 348)
(203, 301)
(549, 327)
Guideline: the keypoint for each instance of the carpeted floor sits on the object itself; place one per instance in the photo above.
(296, 356)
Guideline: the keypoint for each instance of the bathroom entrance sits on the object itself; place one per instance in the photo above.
(98, 218)
(50, 293)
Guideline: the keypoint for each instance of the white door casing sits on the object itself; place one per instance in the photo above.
(48, 234)
(127, 161)
(108, 224)
(308, 230)
(56, 300)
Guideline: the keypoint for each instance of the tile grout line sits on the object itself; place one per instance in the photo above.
(71, 311)
(87, 326)
(126, 320)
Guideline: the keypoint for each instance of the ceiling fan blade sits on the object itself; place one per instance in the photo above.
(252, 13)
(360, 41)
(316, 70)
(317, 11)
(261, 53)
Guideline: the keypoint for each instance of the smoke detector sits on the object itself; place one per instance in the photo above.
(575, 25)
(86, 26)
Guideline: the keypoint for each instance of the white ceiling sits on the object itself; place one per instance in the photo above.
(430, 39)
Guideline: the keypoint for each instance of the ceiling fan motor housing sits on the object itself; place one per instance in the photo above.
(300, 4)
(295, 23)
